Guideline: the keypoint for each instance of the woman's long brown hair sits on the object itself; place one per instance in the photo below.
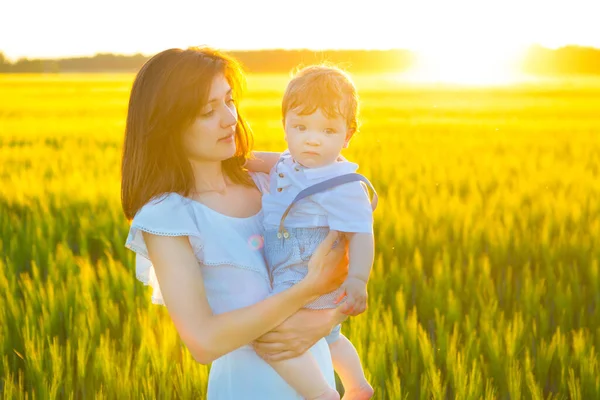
(166, 97)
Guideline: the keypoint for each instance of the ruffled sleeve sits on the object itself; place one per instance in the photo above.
(164, 216)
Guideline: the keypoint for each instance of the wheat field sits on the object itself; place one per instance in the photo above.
(486, 282)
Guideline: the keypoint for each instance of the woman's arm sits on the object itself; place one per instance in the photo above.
(210, 336)
(297, 334)
(262, 161)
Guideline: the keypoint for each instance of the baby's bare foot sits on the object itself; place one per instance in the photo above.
(364, 392)
(331, 394)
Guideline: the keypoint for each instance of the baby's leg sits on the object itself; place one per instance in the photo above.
(304, 375)
(347, 364)
(288, 264)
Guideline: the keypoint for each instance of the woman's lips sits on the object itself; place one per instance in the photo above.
(227, 138)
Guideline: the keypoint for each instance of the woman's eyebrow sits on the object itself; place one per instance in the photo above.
(215, 99)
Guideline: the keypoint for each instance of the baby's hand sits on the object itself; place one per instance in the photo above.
(356, 296)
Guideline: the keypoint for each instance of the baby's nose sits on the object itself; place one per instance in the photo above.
(312, 141)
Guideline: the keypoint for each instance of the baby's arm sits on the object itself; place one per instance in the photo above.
(348, 209)
(362, 250)
(362, 253)
(262, 161)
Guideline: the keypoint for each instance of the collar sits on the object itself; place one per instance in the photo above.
(327, 171)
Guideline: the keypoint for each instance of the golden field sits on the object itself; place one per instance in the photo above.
(486, 282)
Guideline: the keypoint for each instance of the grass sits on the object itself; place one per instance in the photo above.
(486, 277)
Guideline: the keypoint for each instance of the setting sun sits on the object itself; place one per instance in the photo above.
(467, 65)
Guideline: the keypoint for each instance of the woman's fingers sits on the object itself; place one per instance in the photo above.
(270, 347)
(325, 247)
(273, 347)
(270, 337)
(262, 354)
(284, 355)
(340, 298)
(348, 307)
(337, 253)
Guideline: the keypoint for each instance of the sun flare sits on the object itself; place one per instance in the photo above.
(468, 66)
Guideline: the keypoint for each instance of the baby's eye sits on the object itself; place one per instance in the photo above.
(301, 128)
(330, 131)
(231, 101)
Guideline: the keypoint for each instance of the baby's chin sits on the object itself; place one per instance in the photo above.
(314, 162)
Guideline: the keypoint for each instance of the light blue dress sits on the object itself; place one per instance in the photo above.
(231, 257)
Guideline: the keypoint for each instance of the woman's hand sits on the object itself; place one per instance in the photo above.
(296, 335)
(328, 267)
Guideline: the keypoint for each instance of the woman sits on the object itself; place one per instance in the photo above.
(197, 228)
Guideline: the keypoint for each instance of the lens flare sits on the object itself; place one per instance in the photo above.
(256, 242)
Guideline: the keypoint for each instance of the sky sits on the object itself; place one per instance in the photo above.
(63, 28)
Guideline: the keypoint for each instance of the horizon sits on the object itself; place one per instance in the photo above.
(484, 68)
(234, 50)
(464, 40)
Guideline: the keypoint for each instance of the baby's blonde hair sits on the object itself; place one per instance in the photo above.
(324, 87)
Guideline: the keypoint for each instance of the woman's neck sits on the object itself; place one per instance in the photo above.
(208, 176)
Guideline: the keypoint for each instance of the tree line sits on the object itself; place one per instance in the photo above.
(538, 60)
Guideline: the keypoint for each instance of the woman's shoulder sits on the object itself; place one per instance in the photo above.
(170, 214)
(166, 215)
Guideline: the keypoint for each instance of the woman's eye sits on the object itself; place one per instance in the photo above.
(208, 114)
(231, 101)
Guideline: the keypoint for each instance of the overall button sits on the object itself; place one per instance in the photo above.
(281, 175)
(279, 189)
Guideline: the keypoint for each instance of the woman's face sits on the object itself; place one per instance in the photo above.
(211, 137)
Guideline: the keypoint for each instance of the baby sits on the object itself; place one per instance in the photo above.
(319, 110)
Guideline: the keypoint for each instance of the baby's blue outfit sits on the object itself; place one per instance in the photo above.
(292, 233)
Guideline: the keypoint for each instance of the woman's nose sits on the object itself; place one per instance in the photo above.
(228, 118)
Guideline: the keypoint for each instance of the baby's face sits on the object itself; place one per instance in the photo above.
(315, 140)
